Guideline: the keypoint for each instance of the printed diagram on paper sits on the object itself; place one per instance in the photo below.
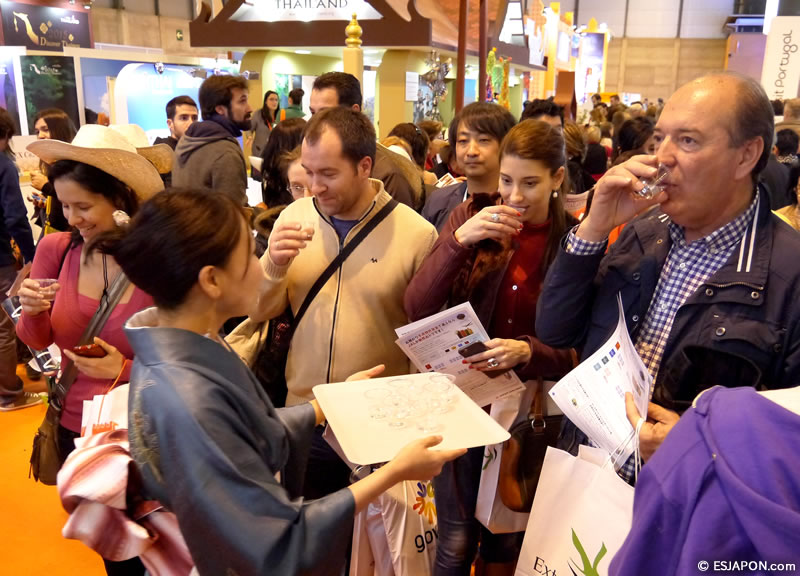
(433, 344)
(592, 396)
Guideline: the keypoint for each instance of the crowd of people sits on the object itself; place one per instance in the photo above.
(540, 232)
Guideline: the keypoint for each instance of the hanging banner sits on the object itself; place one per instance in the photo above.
(49, 82)
(780, 75)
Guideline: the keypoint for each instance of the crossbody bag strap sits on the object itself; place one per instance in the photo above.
(101, 315)
(338, 261)
(539, 402)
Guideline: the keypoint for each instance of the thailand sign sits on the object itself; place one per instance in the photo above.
(304, 10)
(44, 28)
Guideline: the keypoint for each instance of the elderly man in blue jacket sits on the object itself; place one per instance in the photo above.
(709, 277)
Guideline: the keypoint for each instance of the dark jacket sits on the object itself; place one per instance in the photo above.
(400, 177)
(208, 443)
(209, 156)
(741, 328)
(775, 178)
(442, 202)
(172, 143)
(13, 216)
(169, 141)
(453, 274)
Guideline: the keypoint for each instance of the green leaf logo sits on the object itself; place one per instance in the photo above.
(489, 455)
(589, 568)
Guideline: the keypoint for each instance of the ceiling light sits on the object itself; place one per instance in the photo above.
(302, 51)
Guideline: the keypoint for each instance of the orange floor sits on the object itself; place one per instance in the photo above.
(31, 516)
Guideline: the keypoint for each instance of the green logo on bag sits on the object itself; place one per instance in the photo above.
(589, 568)
(489, 455)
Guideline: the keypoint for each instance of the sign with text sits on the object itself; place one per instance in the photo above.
(44, 28)
(780, 75)
(304, 10)
(49, 82)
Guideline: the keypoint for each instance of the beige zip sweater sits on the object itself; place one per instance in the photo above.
(350, 324)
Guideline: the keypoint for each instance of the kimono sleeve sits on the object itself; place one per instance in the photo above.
(235, 517)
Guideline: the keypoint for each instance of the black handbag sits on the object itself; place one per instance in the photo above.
(45, 455)
(270, 362)
(523, 455)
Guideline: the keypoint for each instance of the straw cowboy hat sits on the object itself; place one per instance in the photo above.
(160, 155)
(106, 150)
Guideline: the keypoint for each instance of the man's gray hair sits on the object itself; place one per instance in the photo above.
(753, 117)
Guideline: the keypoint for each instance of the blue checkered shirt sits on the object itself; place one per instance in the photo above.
(687, 267)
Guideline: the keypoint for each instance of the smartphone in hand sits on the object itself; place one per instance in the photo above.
(477, 348)
(90, 351)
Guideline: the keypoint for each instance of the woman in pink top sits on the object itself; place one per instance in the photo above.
(96, 176)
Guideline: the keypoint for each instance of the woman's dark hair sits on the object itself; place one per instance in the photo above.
(539, 141)
(97, 182)
(7, 130)
(268, 115)
(58, 123)
(633, 134)
(416, 138)
(286, 136)
(172, 238)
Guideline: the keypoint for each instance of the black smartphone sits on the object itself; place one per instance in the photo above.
(477, 348)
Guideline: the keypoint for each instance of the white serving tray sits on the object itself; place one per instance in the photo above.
(367, 441)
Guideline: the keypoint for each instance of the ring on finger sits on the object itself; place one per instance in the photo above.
(492, 363)
(495, 217)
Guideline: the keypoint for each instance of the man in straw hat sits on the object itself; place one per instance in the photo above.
(209, 155)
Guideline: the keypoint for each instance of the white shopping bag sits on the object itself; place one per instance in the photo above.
(489, 509)
(581, 516)
(397, 534)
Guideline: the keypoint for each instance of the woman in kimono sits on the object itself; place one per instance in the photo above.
(207, 441)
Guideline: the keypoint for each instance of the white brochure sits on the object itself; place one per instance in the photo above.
(592, 396)
(433, 345)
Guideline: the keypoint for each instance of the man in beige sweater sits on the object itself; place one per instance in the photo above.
(350, 324)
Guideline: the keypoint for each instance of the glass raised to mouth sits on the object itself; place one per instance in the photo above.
(653, 186)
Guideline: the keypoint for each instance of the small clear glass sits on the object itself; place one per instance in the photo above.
(654, 186)
(440, 392)
(428, 423)
(378, 410)
(378, 406)
(409, 387)
(400, 415)
(46, 289)
(307, 226)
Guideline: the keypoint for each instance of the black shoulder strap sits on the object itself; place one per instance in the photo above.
(339, 260)
(104, 310)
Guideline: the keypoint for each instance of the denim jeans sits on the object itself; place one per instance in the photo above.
(10, 386)
(456, 493)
